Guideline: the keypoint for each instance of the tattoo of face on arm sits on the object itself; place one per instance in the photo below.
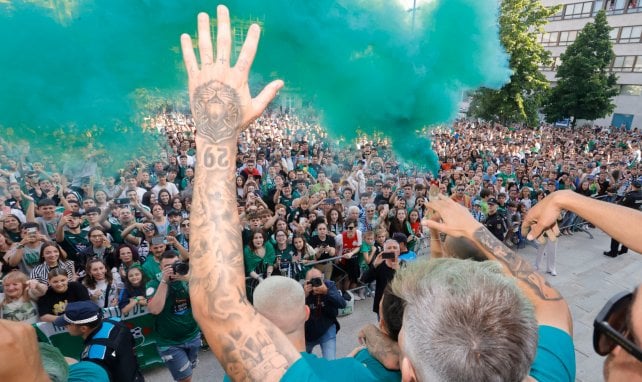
(516, 265)
(217, 111)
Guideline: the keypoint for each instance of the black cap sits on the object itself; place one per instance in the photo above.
(492, 201)
(400, 237)
(637, 183)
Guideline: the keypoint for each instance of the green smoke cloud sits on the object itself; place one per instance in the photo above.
(361, 62)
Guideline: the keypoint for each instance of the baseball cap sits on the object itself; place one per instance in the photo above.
(79, 313)
(76, 214)
(400, 237)
(637, 183)
(492, 201)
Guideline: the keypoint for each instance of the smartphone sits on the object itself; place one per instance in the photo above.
(122, 201)
(32, 230)
(67, 213)
(158, 240)
(387, 255)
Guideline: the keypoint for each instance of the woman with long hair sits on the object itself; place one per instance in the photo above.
(177, 205)
(52, 257)
(334, 218)
(133, 292)
(164, 200)
(103, 289)
(399, 223)
(127, 258)
(17, 301)
(259, 260)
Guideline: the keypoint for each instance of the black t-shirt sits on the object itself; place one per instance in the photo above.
(316, 242)
(383, 275)
(55, 303)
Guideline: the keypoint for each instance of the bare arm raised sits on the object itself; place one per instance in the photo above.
(465, 233)
(619, 222)
(248, 346)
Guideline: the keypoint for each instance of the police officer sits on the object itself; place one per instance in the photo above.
(632, 199)
(107, 342)
(496, 221)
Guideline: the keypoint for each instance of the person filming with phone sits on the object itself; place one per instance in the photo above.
(386, 265)
(324, 300)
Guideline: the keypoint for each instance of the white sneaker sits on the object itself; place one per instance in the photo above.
(357, 297)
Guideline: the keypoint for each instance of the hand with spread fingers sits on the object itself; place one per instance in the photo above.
(219, 93)
(456, 220)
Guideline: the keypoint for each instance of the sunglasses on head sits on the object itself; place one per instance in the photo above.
(611, 327)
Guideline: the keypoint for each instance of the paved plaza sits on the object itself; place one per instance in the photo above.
(586, 278)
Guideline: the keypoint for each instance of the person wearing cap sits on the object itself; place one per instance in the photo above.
(107, 342)
(70, 236)
(495, 222)
(404, 253)
(632, 199)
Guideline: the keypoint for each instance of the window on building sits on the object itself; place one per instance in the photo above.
(615, 7)
(631, 34)
(567, 37)
(623, 64)
(614, 33)
(638, 65)
(634, 6)
(578, 10)
(599, 5)
(557, 16)
(631, 90)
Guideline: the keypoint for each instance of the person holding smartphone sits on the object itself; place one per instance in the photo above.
(386, 265)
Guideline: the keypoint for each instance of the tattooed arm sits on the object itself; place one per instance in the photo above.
(619, 222)
(248, 346)
(465, 233)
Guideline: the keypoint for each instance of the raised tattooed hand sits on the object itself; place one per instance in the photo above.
(219, 93)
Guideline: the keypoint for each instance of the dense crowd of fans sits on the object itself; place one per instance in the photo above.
(305, 202)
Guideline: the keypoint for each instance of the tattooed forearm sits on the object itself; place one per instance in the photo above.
(217, 111)
(248, 346)
(494, 249)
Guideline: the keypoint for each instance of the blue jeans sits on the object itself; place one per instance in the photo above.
(181, 359)
(328, 342)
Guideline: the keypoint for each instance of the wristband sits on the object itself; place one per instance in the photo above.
(163, 281)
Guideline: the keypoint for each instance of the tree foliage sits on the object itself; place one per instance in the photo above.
(520, 21)
(585, 88)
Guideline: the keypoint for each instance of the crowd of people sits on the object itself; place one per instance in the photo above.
(342, 221)
(305, 204)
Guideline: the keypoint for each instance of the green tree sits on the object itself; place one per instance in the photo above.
(585, 88)
(520, 21)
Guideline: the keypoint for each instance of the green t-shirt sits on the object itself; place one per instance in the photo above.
(365, 248)
(175, 324)
(256, 263)
(376, 368)
(152, 269)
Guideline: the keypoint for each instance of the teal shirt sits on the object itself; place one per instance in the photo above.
(376, 368)
(555, 357)
(312, 368)
(87, 371)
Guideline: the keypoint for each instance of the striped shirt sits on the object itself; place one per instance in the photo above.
(41, 271)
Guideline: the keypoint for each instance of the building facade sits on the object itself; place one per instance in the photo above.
(625, 17)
